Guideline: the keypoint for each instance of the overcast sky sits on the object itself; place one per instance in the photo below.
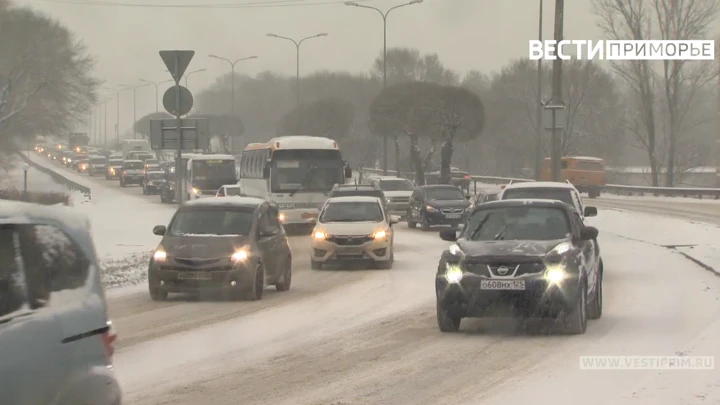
(467, 34)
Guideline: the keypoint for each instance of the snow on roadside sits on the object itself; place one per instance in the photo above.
(699, 242)
(121, 226)
(650, 197)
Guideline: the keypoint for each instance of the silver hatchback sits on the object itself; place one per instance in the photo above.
(56, 342)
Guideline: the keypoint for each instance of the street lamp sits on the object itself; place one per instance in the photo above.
(157, 94)
(297, 64)
(384, 17)
(232, 77)
(117, 118)
(188, 75)
(134, 89)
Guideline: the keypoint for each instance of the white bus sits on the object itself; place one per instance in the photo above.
(135, 145)
(205, 174)
(296, 172)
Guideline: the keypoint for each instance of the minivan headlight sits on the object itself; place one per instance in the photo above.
(159, 255)
(240, 255)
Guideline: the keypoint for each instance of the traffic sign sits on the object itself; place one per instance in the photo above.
(164, 134)
(177, 62)
(170, 100)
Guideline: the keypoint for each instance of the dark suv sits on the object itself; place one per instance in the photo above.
(437, 205)
(527, 258)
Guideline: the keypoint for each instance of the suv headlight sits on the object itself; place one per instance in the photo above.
(240, 255)
(453, 273)
(430, 208)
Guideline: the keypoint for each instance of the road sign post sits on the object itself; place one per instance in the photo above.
(177, 62)
(558, 118)
(164, 134)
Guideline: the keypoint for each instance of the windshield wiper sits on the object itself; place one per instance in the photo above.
(501, 234)
(304, 180)
(479, 225)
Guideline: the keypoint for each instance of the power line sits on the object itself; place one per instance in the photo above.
(252, 4)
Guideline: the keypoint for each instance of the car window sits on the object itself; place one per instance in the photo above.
(134, 165)
(232, 191)
(559, 194)
(444, 193)
(517, 223)
(269, 223)
(221, 192)
(395, 185)
(99, 160)
(12, 280)
(219, 221)
(115, 162)
(353, 211)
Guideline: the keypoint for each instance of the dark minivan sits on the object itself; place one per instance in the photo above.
(437, 205)
(235, 245)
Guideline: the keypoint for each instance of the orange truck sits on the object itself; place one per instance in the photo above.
(587, 174)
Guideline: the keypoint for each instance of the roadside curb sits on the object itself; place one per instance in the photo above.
(58, 178)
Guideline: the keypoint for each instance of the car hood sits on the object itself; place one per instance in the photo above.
(397, 193)
(350, 228)
(202, 246)
(448, 203)
(507, 248)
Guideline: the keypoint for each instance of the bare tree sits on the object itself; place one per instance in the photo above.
(331, 117)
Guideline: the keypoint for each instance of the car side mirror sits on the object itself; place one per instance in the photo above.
(160, 230)
(448, 235)
(468, 196)
(266, 172)
(348, 172)
(589, 233)
(590, 212)
(394, 219)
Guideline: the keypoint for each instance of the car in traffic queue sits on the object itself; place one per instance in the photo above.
(152, 164)
(167, 189)
(397, 193)
(526, 258)
(438, 205)
(83, 165)
(98, 164)
(56, 338)
(132, 173)
(229, 190)
(551, 190)
(67, 157)
(152, 181)
(76, 160)
(484, 197)
(357, 190)
(114, 168)
(234, 245)
(353, 229)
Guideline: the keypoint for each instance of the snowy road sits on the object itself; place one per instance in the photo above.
(684, 208)
(370, 337)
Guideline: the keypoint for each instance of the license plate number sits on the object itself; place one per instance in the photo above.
(194, 276)
(453, 216)
(502, 285)
(349, 251)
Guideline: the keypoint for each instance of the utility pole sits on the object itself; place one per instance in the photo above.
(105, 126)
(557, 100)
(297, 59)
(539, 124)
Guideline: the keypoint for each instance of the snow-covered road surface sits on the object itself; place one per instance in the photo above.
(370, 337)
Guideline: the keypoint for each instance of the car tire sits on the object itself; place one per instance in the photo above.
(286, 279)
(576, 320)
(424, 225)
(258, 284)
(595, 306)
(446, 322)
(158, 295)
(315, 265)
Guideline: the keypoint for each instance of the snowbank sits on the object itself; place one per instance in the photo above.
(698, 241)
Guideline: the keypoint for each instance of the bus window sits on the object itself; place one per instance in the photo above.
(588, 166)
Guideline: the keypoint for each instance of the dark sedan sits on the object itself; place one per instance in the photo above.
(437, 205)
(235, 245)
(527, 258)
(152, 182)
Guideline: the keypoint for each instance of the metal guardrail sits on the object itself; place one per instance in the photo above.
(619, 189)
(58, 178)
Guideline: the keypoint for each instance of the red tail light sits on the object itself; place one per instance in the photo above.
(124, 172)
(108, 338)
(467, 177)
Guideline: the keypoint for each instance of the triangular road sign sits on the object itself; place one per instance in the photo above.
(182, 58)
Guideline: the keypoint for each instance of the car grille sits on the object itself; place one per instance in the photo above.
(196, 262)
(349, 240)
(491, 269)
(217, 268)
(452, 210)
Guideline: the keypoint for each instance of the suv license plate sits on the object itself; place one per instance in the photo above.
(453, 216)
(195, 276)
(517, 285)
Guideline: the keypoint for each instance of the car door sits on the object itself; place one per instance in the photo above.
(267, 242)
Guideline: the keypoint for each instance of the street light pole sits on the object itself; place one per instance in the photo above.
(134, 89)
(188, 74)
(384, 16)
(157, 90)
(105, 126)
(232, 77)
(539, 108)
(557, 93)
(297, 59)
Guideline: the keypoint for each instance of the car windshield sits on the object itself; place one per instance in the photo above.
(517, 223)
(80, 157)
(115, 163)
(531, 193)
(99, 160)
(134, 165)
(396, 185)
(357, 192)
(232, 191)
(352, 211)
(219, 221)
(444, 193)
(156, 175)
(152, 162)
(305, 170)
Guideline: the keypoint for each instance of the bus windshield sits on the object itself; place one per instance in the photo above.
(305, 170)
(213, 174)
